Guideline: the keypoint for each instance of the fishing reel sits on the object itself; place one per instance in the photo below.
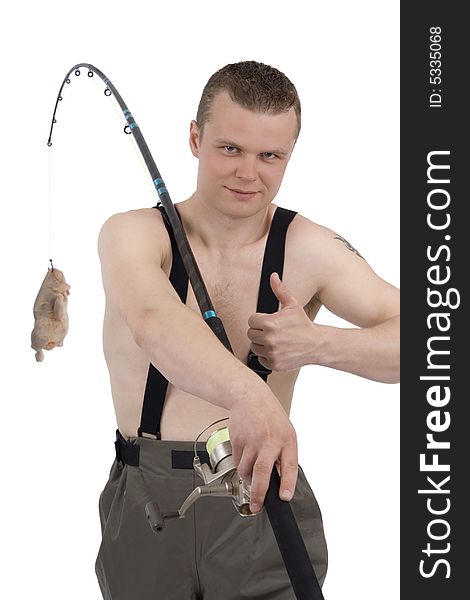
(220, 479)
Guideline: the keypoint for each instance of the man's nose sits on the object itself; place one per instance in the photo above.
(246, 168)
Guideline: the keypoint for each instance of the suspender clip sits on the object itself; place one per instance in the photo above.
(254, 364)
(152, 436)
(127, 453)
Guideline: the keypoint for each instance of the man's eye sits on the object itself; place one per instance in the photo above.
(230, 149)
(269, 155)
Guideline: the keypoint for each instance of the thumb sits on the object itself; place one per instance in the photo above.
(282, 292)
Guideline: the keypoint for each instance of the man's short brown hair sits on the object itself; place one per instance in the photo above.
(252, 85)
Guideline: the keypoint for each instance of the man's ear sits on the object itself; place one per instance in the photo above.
(194, 138)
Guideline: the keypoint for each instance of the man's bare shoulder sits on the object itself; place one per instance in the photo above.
(310, 240)
(140, 230)
(324, 255)
(302, 227)
(138, 217)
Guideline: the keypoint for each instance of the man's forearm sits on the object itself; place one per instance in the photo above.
(371, 352)
(180, 344)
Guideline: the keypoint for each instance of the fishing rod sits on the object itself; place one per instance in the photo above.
(187, 256)
(285, 528)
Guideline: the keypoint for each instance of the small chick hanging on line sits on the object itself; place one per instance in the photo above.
(51, 321)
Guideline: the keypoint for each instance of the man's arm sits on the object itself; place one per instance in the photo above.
(176, 339)
(345, 284)
(181, 345)
(371, 352)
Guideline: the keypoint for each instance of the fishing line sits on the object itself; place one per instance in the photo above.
(50, 208)
(133, 144)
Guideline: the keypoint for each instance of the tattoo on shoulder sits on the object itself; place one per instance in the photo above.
(348, 245)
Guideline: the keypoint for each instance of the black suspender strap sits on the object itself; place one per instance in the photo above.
(156, 386)
(273, 262)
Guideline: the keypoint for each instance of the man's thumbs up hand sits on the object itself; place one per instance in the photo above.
(282, 340)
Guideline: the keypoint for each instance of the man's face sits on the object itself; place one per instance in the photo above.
(241, 151)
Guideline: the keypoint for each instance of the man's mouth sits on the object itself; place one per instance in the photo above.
(244, 192)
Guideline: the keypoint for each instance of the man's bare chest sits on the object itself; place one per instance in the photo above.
(233, 283)
(233, 286)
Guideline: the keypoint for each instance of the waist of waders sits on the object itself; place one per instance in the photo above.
(128, 453)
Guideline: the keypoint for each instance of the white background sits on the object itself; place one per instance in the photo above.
(57, 418)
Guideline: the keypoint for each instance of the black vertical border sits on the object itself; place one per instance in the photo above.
(425, 129)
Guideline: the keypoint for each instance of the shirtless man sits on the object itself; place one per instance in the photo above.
(243, 150)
